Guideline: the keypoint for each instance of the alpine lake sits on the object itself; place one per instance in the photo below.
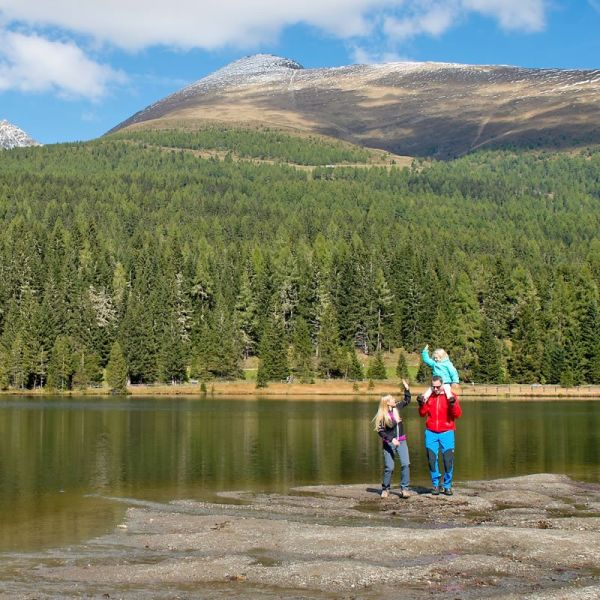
(70, 467)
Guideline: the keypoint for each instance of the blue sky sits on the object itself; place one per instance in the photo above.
(73, 69)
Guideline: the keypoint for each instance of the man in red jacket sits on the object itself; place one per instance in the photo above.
(441, 412)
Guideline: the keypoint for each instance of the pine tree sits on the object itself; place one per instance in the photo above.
(116, 370)
(554, 362)
(202, 352)
(137, 338)
(52, 320)
(594, 372)
(330, 359)
(423, 373)
(261, 376)
(172, 357)
(302, 351)
(348, 293)
(216, 350)
(4, 361)
(119, 287)
(566, 378)
(273, 352)
(574, 357)
(28, 329)
(418, 305)
(226, 359)
(246, 315)
(589, 326)
(489, 365)
(22, 335)
(88, 371)
(498, 300)
(376, 368)
(402, 366)
(355, 368)
(262, 288)
(286, 279)
(455, 325)
(367, 305)
(525, 364)
(62, 365)
(16, 372)
(382, 297)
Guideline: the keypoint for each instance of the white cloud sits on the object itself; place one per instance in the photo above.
(433, 20)
(208, 24)
(135, 24)
(435, 17)
(377, 29)
(595, 4)
(35, 64)
(525, 15)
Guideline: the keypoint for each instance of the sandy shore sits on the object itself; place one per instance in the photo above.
(348, 389)
(535, 537)
(334, 388)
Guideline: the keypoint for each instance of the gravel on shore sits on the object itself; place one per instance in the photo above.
(533, 537)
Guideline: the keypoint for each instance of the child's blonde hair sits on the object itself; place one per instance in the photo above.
(439, 354)
(383, 413)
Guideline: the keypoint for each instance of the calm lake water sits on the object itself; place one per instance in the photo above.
(64, 461)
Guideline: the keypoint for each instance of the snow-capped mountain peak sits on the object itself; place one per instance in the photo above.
(411, 108)
(13, 137)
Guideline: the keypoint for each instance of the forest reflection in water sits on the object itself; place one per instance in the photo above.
(60, 459)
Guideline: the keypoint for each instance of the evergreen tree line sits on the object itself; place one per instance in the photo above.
(118, 261)
(264, 144)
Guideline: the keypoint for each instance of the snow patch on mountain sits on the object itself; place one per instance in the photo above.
(250, 69)
(259, 68)
(13, 137)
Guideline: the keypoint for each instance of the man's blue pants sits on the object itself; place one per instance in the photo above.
(444, 442)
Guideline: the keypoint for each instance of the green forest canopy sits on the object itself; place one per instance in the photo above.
(264, 144)
(191, 264)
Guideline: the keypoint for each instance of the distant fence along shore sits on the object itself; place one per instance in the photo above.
(535, 389)
(347, 388)
(333, 388)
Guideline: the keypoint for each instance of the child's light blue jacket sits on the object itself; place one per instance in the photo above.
(444, 369)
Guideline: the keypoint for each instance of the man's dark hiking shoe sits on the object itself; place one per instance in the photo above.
(448, 491)
(435, 490)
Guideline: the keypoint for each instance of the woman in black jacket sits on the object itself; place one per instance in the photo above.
(389, 426)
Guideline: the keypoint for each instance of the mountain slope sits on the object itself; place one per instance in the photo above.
(13, 137)
(424, 109)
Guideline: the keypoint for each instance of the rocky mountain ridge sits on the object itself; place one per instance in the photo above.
(430, 109)
(13, 137)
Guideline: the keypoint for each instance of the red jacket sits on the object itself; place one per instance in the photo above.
(440, 413)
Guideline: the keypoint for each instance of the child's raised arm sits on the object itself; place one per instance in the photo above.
(426, 358)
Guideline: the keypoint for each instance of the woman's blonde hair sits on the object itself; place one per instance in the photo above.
(439, 354)
(383, 413)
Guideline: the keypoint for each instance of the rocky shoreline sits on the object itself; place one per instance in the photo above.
(534, 537)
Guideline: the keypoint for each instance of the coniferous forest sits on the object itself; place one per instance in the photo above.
(124, 259)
